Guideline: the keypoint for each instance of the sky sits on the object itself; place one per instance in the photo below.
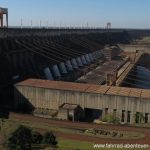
(79, 13)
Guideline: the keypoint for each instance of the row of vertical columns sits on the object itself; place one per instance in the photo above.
(125, 116)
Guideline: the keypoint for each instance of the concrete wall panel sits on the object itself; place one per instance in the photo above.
(52, 99)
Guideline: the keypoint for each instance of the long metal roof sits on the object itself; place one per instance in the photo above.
(89, 88)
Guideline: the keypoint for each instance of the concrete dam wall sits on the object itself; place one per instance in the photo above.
(53, 54)
(24, 55)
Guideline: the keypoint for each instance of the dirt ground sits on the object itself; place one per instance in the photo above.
(145, 140)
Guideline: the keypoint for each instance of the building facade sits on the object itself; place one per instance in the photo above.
(50, 95)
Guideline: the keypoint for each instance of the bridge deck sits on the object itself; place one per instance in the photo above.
(128, 69)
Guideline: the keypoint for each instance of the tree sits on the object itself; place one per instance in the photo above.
(49, 139)
(36, 137)
(111, 119)
(21, 139)
(139, 117)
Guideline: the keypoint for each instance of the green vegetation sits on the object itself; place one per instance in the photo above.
(74, 145)
(111, 119)
(80, 145)
(36, 137)
(46, 126)
(49, 127)
(139, 117)
(49, 139)
(9, 126)
(24, 139)
(20, 139)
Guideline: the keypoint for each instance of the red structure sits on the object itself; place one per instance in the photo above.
(3, 11)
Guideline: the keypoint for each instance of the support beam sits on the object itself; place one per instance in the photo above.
(3, 11)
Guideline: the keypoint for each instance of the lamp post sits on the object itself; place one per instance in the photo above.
(40, 23)
(47, 24)
(21, 23)
(31, 24)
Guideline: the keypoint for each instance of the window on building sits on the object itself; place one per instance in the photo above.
(128, 116)
(137, 117)
(146, 117)
(106, 111)
(123, 116)
(114, 112)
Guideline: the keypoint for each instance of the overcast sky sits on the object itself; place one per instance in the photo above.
(94, 13)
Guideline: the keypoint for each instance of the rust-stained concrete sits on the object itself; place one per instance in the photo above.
(52, 94)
